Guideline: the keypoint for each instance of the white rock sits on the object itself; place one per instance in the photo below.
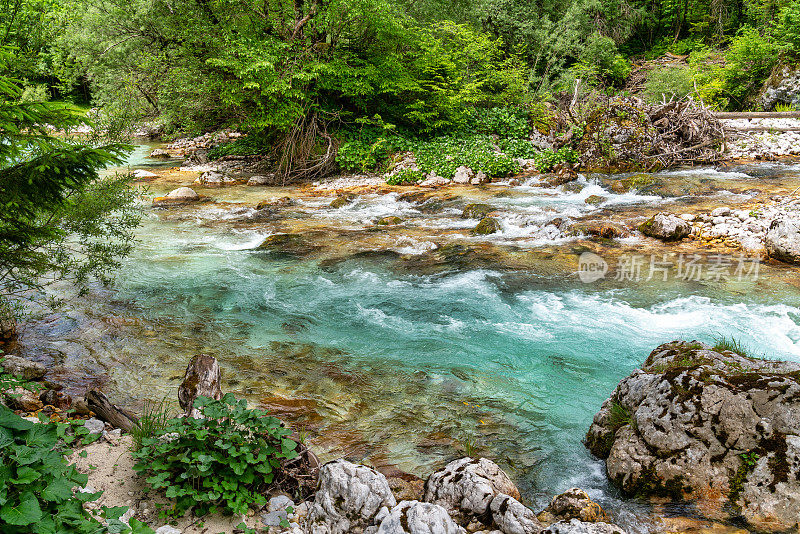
(689, 217)
(512, 517)
(414, 517)
(279, 502)
(721, 211)
(141, 173)
(574, 526)
(94, 426)
(183, 193)
(167, 529)
(463, 175)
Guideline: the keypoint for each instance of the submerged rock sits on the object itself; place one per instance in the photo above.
(294, 244)
(389, 220)
(717, 427)
(782, 240)
(595, 200)
(414, 517)
(489, 225)
(666, 227)
(341, 201)
(348, 499)
(476, 211)
(467, 486)
(183, 193)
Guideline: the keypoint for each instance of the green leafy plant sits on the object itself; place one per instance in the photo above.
(222, 462)
(36, 482)
(443, 155)
(506, 122)
(619, 416)
(518, 148)
(547, 159)
(405, 176)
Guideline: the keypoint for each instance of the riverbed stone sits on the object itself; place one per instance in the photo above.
(183, 193)
(666, 227)
(414, 517)
(572, 504)
(575, 526)
(466, 487)
(94, 426)
(22, 367)
(348, 499)
(782, 240)
(463, 175)
(488, 225)
(715, 427)
(512, 517)
(476, 211)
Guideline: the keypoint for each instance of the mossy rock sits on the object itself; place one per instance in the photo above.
(390, 220)
(574, 187)
(638, 181)
(274, 202)
(489, 225)
(476, 211)
(292, 244)
(595, 200)
(342, 201)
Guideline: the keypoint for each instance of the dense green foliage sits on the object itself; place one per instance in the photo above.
(221, 462)
(36, 482)
(57, 217)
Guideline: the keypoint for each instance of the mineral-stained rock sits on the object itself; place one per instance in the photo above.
(342, 201)
(22, 367)
(666, 226)
(782, 240)
(389, 220)
(348, 499)
(177, 196)
(511, 517)
(20, 398)
(713, 426)
(488, 225)
(595, 200)
(572, 504)
(291, 244)
(466, 487)
(414, 517)
(575, 526)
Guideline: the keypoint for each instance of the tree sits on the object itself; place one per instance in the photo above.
(58, 219)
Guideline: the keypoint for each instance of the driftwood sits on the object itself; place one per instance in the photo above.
(110, 413)
(202, 379)
(757, 114)
(760, 128)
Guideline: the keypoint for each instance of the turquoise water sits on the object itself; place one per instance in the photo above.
(383, 363)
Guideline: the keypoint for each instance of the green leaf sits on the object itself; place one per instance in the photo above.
(24, 513)
(59, 489)
(25, 475)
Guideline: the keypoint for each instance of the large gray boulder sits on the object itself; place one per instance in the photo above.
(666, 227)
(782, 87)
(466, 487)
(717, 427)
(414, 517)
(348, 499)
(782, 240)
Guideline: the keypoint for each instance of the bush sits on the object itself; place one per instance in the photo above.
(252, 145)
(518, 148)
(364, 155)
(36, 483)
(406, 176)
(507, 122)
(601, 58)
(787, 29)
(749, 61)
(443, 155)
(223, 462)
(547, 159)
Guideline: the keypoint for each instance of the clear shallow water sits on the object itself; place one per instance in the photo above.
(386, 364)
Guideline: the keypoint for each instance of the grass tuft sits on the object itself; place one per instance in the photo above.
(152, 422)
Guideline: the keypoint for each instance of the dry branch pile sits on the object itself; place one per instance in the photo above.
(628, 135)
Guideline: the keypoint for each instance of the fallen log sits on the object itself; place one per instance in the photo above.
(110, 413)
(756, 114)
(202, 379)
(759, 128)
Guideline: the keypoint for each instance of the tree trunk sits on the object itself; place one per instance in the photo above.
(202, 379)
(103, 409)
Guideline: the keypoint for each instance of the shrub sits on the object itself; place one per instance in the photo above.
(443, 155)
(547, 159)
(518, 148)
(36, 482)
(749, 61)
(252, 145)
(223, 462)
(602, 58)
(787, 29)
(506, 122)
(364, 155)
(405, 176)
